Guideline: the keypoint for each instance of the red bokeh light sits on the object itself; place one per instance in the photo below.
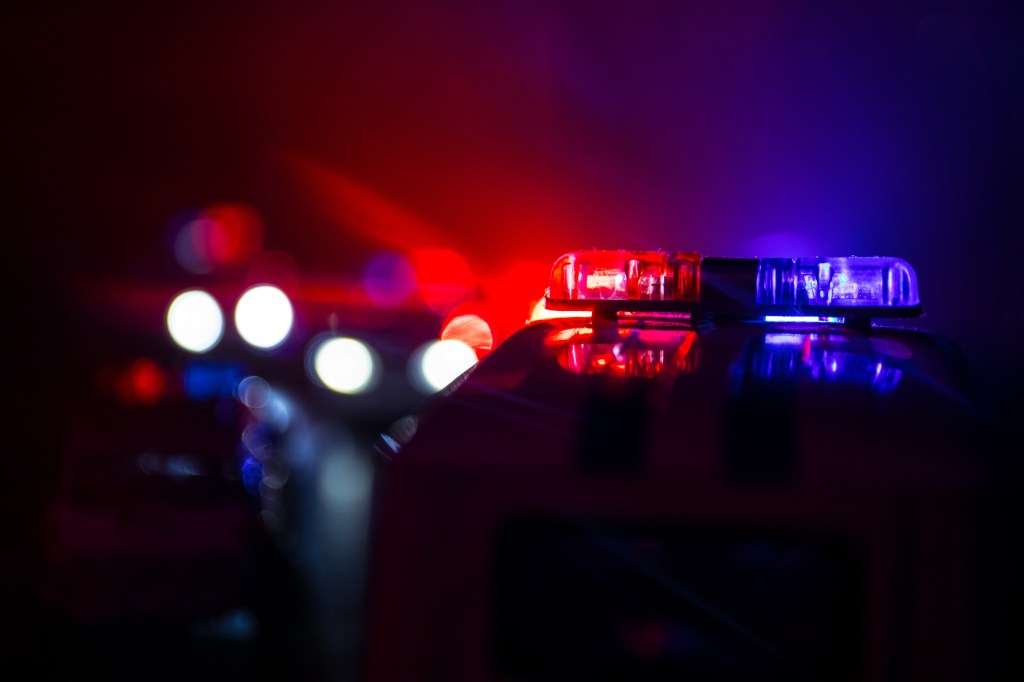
(443, 278)
(148, 381)
(219, 236)
(143, 382)
(237, 234)
(472, 330)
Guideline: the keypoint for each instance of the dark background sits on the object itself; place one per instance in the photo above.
(508, 131)
(523, 130)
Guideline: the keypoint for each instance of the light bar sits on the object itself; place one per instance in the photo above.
(661, 281)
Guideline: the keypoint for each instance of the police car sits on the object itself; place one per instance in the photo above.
(688, 467)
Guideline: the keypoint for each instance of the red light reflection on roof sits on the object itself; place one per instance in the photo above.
(636, 353)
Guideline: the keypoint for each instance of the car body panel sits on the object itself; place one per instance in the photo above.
(731, 501)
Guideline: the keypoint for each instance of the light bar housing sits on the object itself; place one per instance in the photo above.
(661, 281)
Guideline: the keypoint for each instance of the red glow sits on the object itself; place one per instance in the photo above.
(223, 235)
(362, 209)
(444, 278)
(509, 292)
(236, 236)
(143, 382)
(363, 311)
(148, 381)
(277, 268)
(644, 639)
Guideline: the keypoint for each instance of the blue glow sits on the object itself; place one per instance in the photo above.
(238, 625)
(182, 466)
(252, 474)
(205, 380)
(803, 318)
(389, 280)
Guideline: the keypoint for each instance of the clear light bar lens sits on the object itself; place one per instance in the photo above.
(837, 282)
(626, 276)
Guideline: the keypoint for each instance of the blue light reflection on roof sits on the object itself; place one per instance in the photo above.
(823, 358)
(785, 339)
